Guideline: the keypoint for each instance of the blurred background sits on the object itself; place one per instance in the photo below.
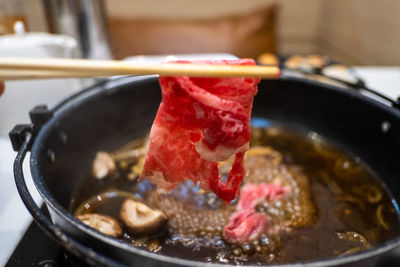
(307, 33)
(355, 32)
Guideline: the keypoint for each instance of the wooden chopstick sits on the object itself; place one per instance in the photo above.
(16, 75)
(34, 68)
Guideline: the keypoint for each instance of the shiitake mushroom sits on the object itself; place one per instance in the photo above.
(141, 219)
(103, 165)
(102, 223)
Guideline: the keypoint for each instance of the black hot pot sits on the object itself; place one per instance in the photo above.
(64, 140)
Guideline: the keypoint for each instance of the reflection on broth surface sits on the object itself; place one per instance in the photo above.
(331, 206)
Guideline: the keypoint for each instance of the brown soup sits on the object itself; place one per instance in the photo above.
(337, 206)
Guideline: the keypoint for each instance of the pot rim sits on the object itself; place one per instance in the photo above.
(115, 85)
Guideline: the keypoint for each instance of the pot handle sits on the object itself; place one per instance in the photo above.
(87, 254)
(358, 85)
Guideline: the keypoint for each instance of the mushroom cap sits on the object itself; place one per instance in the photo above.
(102, 223)
(141, 219)
(103, 165)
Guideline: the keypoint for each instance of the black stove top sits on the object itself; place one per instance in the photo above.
(37, 249)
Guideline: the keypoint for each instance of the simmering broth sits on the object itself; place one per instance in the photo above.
(336, 206)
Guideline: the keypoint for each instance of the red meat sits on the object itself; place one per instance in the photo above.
(201, 121)
(246, 224)
(252, 194)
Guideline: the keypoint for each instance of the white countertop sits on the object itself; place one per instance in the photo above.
(14, 218)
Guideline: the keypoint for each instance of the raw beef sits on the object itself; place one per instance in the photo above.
(246, 224)
(200, 122)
